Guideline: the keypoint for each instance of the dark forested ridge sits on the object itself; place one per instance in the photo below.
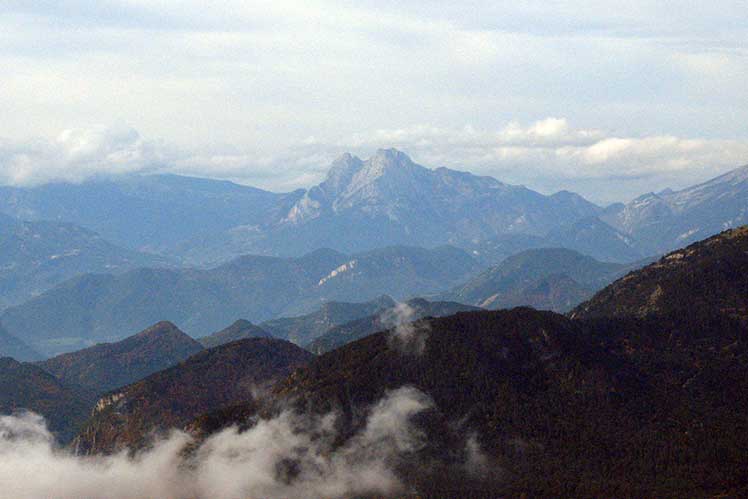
(709, 276)
(26, 387)
(103, 367)
(646, 405)
(239, 330)
(222, 376)
(564, 408)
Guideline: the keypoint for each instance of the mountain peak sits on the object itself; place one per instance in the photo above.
(106, 366)
(239, 330)
(241, 323)
(389, 158)
(392, 154)
(160, 327)
(390, 163)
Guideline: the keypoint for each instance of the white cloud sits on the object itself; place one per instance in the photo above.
(407, 335)
(548, 154)
(269, 74)
(289, 457)
(77, 154)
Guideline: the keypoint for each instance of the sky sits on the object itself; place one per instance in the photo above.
(606, 99)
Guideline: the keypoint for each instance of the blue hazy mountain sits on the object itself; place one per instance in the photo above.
(365, 204)
(388, 199)
(555, 279)
(151, 212)
(667, 220)
(361, 205)
(36, 256)
(104, 307)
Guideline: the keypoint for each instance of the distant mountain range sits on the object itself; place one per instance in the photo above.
(103, 307)
(397, 315)
(10, 346)
(305, 328)
(547, 278)
(36, 256)
(366, 204)
(361, 205)
(111, 291)
(666, 220)
(238, 330)
(151, 212)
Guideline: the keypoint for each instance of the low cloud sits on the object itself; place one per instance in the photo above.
(290, 456)
(406, 334)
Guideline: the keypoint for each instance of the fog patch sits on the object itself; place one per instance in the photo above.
(290, 456)
(406, 335)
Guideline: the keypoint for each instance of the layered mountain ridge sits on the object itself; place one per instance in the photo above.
(102, 307)
(670, 219)
(37, 255)
(546, 278)
(384, 200)
(106, 366)
(207, 381)
(618, 403)
(389, 199)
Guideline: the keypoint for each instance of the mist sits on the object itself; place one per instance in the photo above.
(406, 334)
(290, 456)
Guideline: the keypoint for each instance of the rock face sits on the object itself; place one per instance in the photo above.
(669, 219)
(110, 365)
(25, 386)
(208, 381)
(705, 276)
(390, 200)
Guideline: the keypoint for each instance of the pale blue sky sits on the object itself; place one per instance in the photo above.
(603, 98)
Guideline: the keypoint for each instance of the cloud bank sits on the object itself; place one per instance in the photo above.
(549, 154)
(289, 457)
(238, 88)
